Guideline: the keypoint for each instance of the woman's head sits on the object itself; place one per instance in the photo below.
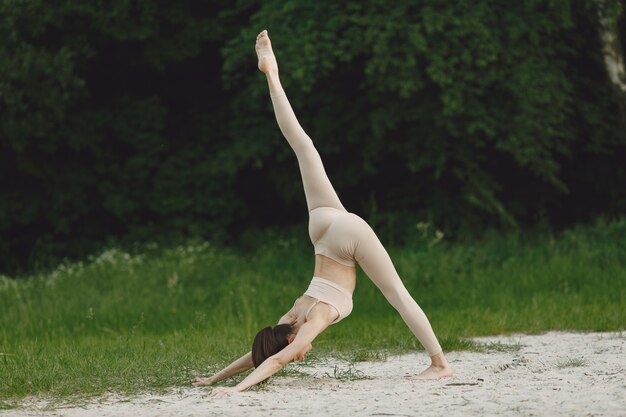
(269, 341)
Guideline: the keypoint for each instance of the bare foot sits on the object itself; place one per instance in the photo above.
(434, 372)
(267, 60)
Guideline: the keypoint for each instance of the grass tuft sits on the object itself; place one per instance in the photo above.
(7, 406)
(348, 374)
(498, 347)
(369, 356)
(571, 363)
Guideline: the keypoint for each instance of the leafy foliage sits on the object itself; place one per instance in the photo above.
(148, 118)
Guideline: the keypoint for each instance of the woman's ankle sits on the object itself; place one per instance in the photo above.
(274, 84)
(439, 361)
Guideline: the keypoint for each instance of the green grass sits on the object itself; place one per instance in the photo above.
(571, 363)
(154, 320)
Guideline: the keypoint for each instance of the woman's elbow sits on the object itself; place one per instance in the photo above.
(277, 362)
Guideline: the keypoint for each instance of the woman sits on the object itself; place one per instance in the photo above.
(341, 239)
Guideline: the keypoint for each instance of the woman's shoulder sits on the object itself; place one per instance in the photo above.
(294, 316)
(322, 312)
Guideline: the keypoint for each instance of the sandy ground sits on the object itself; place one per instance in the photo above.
(556, 373)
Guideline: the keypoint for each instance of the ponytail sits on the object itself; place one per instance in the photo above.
(269, 341)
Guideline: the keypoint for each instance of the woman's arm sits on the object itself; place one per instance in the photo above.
(273, 364)
(240, 365)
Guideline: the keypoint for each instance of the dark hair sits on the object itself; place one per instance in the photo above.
(269, 341)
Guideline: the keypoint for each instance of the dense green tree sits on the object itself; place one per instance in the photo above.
(147, 119)
(486, 102)
(106, 111)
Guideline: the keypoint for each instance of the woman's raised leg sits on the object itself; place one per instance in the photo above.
(318, 190)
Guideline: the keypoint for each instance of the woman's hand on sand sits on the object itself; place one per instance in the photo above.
(221, 391)
(198, 382)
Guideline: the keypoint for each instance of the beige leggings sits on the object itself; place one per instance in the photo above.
(344, 236)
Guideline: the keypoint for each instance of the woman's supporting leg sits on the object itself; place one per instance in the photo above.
(318, 190)
(376, 263)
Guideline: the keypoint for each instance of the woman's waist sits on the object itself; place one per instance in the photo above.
(339, 274)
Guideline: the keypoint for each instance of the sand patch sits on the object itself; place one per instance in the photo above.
(556, 373)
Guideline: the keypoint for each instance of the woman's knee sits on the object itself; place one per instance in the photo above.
(398, 296)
